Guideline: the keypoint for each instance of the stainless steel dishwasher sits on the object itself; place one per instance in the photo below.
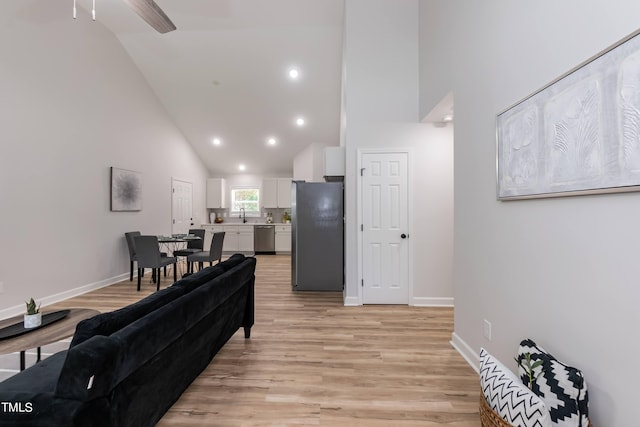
(264, 239)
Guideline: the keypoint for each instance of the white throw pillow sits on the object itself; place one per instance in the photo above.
(508, 397)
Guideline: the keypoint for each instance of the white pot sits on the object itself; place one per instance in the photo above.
(32, 320)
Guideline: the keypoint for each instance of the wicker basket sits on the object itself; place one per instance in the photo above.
(488, 417)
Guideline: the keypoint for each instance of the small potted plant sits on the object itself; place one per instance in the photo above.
(529, 366)
(33, 317)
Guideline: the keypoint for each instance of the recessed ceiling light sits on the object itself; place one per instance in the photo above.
(216, 141)
(271, 141)
(447, 118)
(242, 167)
(300, 121)
(294, 73)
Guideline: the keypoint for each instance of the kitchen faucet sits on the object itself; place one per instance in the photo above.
(243, 215)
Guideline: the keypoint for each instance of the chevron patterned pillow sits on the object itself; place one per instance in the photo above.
(508, 397)
(562, 387)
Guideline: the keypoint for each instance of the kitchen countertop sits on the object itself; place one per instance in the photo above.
(247, 223)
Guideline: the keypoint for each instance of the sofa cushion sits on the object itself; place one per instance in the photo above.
(39, 378)
(232, 261)
(508, 397)
(562, 387)
(107, 323)
(198, 278)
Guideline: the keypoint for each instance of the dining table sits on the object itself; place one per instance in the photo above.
(174, 242)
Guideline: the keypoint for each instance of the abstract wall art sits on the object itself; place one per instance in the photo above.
(126, 190)
(580, 134)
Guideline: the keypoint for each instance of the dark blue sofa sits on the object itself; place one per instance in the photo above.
(128, 367)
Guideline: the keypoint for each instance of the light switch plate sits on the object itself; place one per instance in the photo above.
(486, 329)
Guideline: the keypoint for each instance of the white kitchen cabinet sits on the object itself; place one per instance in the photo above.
(238, 238)
(230, 238)
(270, 193)
(245, 239)
(283, 238)
(216, 191)
(276, 193)
(284, 192)
(334, 161)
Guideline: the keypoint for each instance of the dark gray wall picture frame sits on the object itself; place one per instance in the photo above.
(580, 134)
(126, 190)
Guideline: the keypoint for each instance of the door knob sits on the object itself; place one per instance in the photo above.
(404, 236)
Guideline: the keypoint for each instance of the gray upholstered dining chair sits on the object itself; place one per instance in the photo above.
(149, 256)
(214, 253)
(132, 249)
(193, 246)
(131, 244)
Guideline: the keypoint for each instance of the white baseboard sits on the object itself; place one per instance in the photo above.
(417, 301)
(432, 302)
(471, 356)
(351, 302)
(52, 299)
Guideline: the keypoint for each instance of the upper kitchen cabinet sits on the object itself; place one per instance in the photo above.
(284, 192)
(216, 193)
(276, 192)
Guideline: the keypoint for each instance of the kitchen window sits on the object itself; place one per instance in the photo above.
(247, 198)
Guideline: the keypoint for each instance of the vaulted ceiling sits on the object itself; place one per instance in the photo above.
(224, 74)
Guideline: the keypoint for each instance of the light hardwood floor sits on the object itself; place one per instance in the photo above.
(312, 361)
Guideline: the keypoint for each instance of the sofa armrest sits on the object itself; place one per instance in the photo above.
(88, 371)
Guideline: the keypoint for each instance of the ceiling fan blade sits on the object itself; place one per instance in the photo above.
(152, 14)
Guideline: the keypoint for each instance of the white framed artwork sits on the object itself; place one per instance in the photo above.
(578, 135)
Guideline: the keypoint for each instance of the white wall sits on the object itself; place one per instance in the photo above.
(380, 94)
(308, 165)
(564, 271)
(73, 104)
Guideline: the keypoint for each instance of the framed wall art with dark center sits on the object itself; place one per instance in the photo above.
(126, 190)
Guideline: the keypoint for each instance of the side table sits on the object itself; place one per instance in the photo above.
(43, 335)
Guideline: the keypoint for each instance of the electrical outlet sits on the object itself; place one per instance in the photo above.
(486, 329)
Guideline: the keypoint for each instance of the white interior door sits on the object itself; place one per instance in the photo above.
(181, 206)
(385, 249)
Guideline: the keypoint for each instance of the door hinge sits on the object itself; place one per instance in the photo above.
(362, 283)
(361, 227)
(362, 171)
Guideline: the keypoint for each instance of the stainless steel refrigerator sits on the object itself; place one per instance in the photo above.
(317, 236)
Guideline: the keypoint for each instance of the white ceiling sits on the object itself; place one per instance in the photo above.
(223, 73)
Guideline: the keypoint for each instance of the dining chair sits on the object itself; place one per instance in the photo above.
(214, 253)
(193, 246)
(131, 244)
(149, 256)
(132, 250)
